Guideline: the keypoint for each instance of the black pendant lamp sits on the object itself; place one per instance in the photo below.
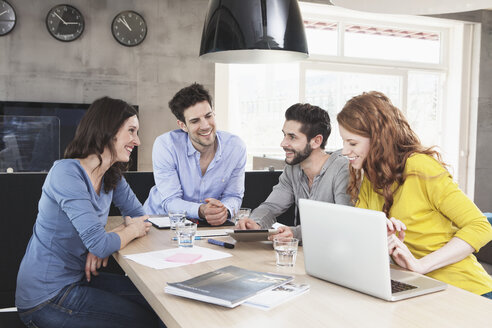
(253, 31)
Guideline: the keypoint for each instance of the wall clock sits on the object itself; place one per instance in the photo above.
(7, 18)
(65, 23)
(129, 28)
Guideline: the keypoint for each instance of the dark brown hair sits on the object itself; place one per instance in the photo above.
(187, 97)
(314, 120)
(392, 141)
(97, 130)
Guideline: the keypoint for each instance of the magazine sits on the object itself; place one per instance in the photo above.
(228, 286)
(277, 296)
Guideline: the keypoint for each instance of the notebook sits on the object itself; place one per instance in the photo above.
(348, 246)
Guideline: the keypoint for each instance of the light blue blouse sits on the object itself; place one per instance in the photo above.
(70, 223)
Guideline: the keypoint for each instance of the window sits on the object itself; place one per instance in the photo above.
(407, 58)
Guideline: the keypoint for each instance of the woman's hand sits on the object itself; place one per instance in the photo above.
(93, 263)
(140, 225)
(247, 224)
(402, 255)
(283, 232)
(396, 226)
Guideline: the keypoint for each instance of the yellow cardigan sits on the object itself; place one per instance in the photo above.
(434, 210)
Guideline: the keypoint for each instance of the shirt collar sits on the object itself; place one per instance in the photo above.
(191, 150)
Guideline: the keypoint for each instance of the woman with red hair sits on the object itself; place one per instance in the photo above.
(434, 227)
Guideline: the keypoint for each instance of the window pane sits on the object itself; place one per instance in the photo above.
(259, 96)
(424, 110)
(330, 90)
(322, 37)
(391, 43)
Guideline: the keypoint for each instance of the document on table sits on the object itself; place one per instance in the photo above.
(175, 257)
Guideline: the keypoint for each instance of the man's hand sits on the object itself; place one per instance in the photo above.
(247, 224)
(213, 211)
(92, 264)
(283, 232)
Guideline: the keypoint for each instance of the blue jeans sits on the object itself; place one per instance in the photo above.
(108, 300)
(488, 295)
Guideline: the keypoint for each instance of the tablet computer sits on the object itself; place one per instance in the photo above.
(161, 221)
(252, 235)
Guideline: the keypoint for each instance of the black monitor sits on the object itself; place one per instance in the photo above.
(35, 134)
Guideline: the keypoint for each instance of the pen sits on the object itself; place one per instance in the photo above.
(196, 238)
(220, 243)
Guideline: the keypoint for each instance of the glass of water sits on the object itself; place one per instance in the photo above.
(175, 217)
(243, 212)
(286, 249)
(186, 232)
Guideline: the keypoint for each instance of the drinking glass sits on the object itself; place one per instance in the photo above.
(186, 232)
(175, 217)
(242, 213)
(286, 249)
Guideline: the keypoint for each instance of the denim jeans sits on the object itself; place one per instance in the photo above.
(108, 300)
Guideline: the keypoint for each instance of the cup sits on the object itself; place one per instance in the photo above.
(176, 217)
(242, 213)
(286, 249)
(186, 232)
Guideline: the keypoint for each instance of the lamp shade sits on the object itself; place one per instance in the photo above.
(253, 31)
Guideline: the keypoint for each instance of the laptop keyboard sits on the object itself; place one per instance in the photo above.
(397, 286)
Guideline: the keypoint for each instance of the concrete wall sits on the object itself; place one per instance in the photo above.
(36, 67)
(483, 170)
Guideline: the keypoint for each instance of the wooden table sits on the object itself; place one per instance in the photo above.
(324, 305)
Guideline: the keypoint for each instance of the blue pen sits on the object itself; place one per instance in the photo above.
(220, 243)
(196, 238)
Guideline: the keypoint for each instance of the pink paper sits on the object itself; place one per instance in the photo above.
(183, 258)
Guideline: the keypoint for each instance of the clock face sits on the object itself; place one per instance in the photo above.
(7, 18)
(65, 23)
(129, 28)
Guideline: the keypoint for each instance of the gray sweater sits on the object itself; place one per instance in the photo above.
(329, 186)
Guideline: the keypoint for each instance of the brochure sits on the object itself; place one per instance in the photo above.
(277, 296)
(228, 286)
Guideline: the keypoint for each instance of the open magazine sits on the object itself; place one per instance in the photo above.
(228, 286)
(277, 296)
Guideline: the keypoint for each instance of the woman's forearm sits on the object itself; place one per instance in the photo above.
(454, 251)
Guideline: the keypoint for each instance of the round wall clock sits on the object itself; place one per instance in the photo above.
(65, 23)
(129, 28)
(7, 18)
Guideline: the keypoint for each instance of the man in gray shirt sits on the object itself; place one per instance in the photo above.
(310, 172)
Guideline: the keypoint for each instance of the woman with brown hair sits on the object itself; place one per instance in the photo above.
(437, 227)
(58, 284)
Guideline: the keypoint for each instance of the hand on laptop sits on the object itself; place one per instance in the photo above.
(395, 226)
(247, 224)
(92, 263)
(283, 232)
(213, 211)
(402, 255)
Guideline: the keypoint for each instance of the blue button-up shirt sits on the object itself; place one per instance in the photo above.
(179, 180)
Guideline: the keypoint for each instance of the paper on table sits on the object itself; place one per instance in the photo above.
(183, 258)
(157, 259)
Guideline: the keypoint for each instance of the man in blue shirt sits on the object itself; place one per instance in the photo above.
(196, 167)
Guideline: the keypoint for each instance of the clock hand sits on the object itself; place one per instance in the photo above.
(123, 21)
(3, 12)
(71, 23)
(60, 18)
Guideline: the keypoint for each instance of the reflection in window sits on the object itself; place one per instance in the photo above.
(29, 143)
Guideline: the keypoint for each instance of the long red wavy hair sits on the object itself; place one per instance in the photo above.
(392, 141)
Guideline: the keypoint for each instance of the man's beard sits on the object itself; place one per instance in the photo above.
(299, 156)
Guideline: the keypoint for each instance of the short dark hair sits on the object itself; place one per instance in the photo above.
(97, 130)
(187, 97)
(314, 120)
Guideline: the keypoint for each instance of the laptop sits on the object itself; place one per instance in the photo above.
(348, 246)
